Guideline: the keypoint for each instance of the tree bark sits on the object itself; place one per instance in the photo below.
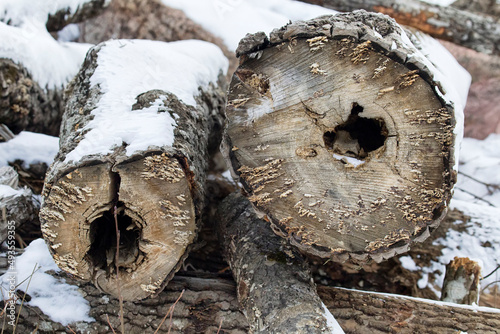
(157, 194)
(471, 30)
(461, 282)
(341, 137)
(24, 105)
(275, 287)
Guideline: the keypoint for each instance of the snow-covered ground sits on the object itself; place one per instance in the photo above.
(54, 63)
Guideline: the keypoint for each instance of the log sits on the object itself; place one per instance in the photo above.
(475, 31)
(275, 287)
(130, 147)
(64, 16)
(461, 282)
(24, 105)
(207, 301)
(340, 135)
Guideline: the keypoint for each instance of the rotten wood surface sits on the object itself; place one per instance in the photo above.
(285, 300)
(472, 30)
(24, 105)
(158, 194)
(461, 282)
(340, 140)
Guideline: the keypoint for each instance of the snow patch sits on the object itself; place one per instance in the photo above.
(349, 160)
(57, 299)
(331, 322)
(408, 263)
(127, 68)
(30, 147)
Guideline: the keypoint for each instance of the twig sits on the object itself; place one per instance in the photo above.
(498, 267)
(220, 326)
(120, 297)
(71, 329)
(488, 185)
(110, 326)
(170, 311)
(24, 296)
(483, 289)
(476, 197)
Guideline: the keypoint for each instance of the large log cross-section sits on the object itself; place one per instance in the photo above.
(341, 135)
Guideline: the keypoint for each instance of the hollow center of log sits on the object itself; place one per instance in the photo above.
(102, 252)
(357, 136)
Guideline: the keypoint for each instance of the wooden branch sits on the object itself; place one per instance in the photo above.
(58, 20)
(461, 282)
(340, 136)
(275, 287)
(365, 312)
(159, 192)
(478, 32)
(24, 105)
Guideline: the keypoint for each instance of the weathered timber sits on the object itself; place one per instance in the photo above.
(210, 302)
(157, 193)
(285, 300)
(340, 135)
(24, 105)
(61, 18)
(461, 282)
(17, 205)
(472, 30)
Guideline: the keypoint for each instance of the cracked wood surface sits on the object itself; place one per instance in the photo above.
(472, 30)
(339, 139)
(158, 194)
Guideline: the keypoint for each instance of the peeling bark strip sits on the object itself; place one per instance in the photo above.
(475, 31)
(340, 135)
(24, 105)
(461, 282)
(275, 288)
(158, 193)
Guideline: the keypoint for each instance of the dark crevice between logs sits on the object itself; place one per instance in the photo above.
(357, 136)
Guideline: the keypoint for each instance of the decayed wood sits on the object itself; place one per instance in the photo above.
(461, 282)
(275, 287)
(24, 105)
(158, 193)
(340, 136)
(364, 312)
(58, 20)
(208, 301)
(475, 31)
(17, 206)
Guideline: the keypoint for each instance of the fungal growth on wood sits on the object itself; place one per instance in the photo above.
(354, 163)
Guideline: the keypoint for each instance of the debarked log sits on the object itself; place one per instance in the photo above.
(149, 180)
(342, 136)
(274, 285)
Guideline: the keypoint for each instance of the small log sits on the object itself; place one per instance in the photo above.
(341, 136)
(474, 31)
(24, 105)
(461, 282)
(275, 287)
(156, 189)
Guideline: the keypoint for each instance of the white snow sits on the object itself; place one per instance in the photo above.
(233, 19)
(30, 147)
(331, 322)
(349, 160)
(69, 33)
(408, 263)
(7, 191)
(127, 68)
(443, 3)
(57, 299)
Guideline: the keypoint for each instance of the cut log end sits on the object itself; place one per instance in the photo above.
(155, 218)
(347, 149)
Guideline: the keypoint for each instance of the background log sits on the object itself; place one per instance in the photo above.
(341, 136)
(471, 30)
(61, 18)
(285, 300)
(461, 282)
(157, 192)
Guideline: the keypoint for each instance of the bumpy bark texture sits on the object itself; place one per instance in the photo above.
(24, 105)
(157, 194)
(478, 32)
(461, 282)
(275, 287)
(340, 135)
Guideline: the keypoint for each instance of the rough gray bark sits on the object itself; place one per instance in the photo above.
(488, 7)
(158, 193)
(24, 105)
(318, 95)
(275, 287)
(471, 30)
(19, 208)
(58, 20)
(461, 282)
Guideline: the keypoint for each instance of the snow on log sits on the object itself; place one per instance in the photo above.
(285, 300)
(461, 282)
(134, 136)
(342, 133)
(475, 31)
